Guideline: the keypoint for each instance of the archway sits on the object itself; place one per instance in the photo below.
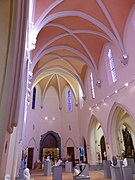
(103, 147)
(122, 132)
(50, 140)
(95, 135)
(31, 152)
(70, 149)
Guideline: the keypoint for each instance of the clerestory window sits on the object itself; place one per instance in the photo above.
(92, 86)
(111, 66)
(69, 100)
(34, 98)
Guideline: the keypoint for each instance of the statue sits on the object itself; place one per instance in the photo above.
(81, 149)
(26, 174)
(105, 155)
(25, 159)
(128, 143)
(125, 163)
(58, 163)
(114, 161)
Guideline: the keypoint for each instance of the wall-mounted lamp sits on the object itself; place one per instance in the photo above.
(98, 83)
(125, 59)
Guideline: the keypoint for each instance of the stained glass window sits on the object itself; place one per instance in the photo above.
(69, 100)
(34, 98)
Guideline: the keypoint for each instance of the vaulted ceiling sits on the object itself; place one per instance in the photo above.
(68, 37)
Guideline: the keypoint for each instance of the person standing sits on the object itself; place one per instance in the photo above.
(81, 149)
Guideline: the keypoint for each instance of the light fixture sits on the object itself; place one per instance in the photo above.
(29, 82)
(98, 83)
(46, 118)
(116, 91)
(125, 56)
(126, 84)
(53, 118)
(125, 59)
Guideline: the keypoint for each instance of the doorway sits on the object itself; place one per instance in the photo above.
(70, 152)
(50, 141)
(85, 151)
(30, 158)
(103, 147)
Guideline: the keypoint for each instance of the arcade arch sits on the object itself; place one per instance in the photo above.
(96, 138)
(122, 132)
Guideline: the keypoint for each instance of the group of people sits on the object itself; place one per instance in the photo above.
(49, 155)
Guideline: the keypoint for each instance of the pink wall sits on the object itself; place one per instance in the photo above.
(125, 96)
(73, 126)
(65, 123)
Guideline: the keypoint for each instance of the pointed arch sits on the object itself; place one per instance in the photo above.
(110, 20)
(76, 14)
(61, 47)
(66, 71)
(63, 58)
(79, 31)
(71, 33)
(95, 132)
(70, 139)
(33, 142)
(112, 125)
(46, 12)
(44, 136)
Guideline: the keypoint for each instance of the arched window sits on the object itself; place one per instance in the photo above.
(69, 100)
(111, 66)
(80, 97)
(92, 86)
(34, 98)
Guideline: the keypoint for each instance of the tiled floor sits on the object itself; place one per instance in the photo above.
(94, 175)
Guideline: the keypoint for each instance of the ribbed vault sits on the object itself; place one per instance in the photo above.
(67, 38)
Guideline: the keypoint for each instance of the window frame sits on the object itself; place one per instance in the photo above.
(69, 100)
(92, 88)
(111, 69)
(34, 98)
